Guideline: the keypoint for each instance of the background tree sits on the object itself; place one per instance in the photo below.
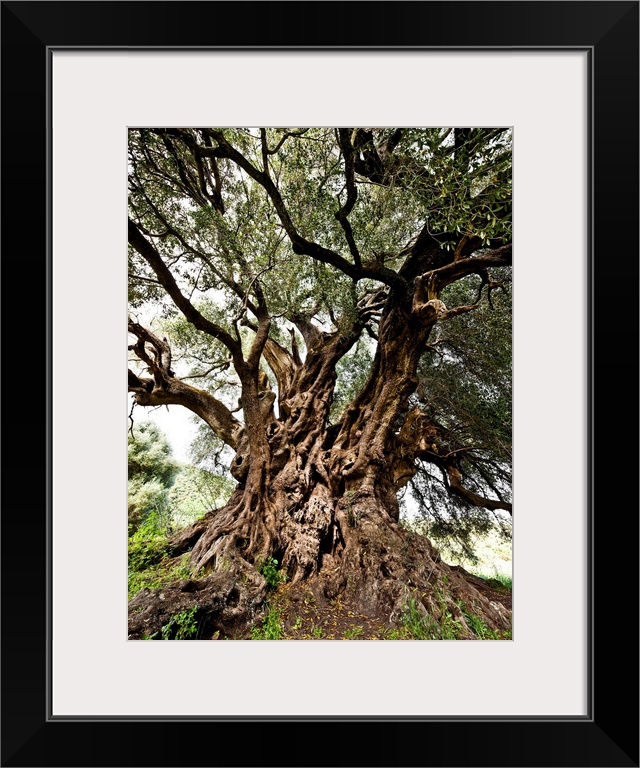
(152, 471)
(340, 300)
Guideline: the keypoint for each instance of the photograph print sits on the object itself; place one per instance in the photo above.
(319, 375)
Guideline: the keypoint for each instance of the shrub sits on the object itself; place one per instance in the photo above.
(182, 626)
(272, 575)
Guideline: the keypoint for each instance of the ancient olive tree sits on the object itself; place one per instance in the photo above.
(336, 309)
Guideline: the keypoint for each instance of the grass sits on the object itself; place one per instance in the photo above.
(146, 549)
(496, 580)
(271, 626)
(479, 628)
(151, 567)
(415, 625)
(159, 574)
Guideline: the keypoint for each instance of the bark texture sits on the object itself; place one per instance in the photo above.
(321, 499)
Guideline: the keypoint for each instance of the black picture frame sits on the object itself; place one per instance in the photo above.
(608, 736)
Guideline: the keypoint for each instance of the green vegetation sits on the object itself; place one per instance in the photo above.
(151, 472)
(163, 493)
(488, 554)
(419, 625)
(272, 574)
(497, 580)
(182, 626)
(271, 626)
(194, 492)
(147, 546)
(449, 627)
(155, 576)
(163, 497)
(479, 628)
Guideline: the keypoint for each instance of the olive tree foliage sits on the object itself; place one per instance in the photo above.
(336, 309)
(465, 385)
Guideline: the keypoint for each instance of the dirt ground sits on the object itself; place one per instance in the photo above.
(303, 618)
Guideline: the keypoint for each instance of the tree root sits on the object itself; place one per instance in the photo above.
(353, 550)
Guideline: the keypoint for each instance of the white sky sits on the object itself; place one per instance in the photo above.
(174, 420)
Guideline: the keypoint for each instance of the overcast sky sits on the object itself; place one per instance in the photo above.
(175, 421)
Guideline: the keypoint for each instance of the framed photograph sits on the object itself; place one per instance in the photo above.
(82, 83)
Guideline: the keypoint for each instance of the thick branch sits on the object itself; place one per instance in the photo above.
(200, 402)
(447, 314)
(313, 337)
(349, 169)
(152, 257)
(166, 389)
(441, 277)
(214, 196)
(170, 230)
(259, 341)
(369, 165)
(189, 184)
(153, 351)
(422, 438)
(392, 142)
(380, 165)
(456, 487)
(300, 245)
(282, 362)
(265, 150)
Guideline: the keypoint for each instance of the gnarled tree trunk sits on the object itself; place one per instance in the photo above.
(323, 499)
